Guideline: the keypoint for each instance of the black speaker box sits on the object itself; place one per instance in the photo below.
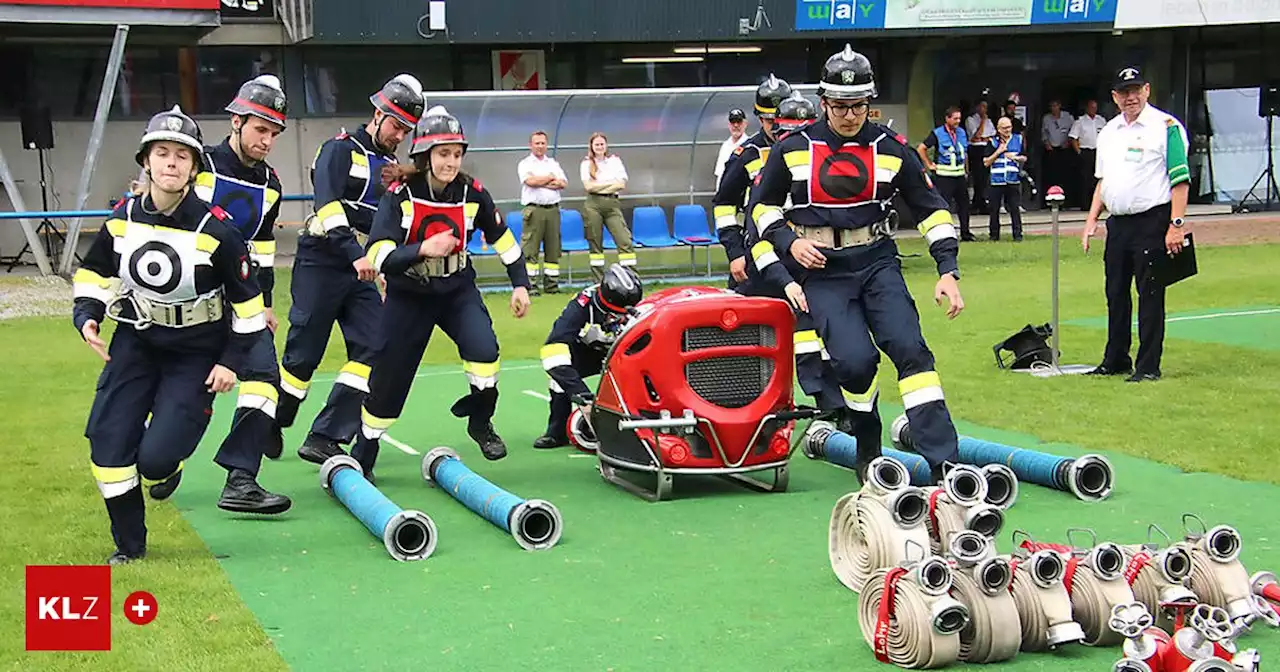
(1269, 101)
(37, 127)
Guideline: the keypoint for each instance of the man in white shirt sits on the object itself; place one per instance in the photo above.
(1143, 181)
(980, 130)
(737, 135)
(1056, 167)
(541, 180)
(1084, 140)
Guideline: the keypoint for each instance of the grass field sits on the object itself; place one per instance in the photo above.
(719, 579)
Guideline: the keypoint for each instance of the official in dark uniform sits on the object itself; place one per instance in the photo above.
(1143, 180)
(170, 269)
(950, 143)
(740, 171)
(419, 242)
(332, 279)
(841, 174)
(238, 179)
(578, 343)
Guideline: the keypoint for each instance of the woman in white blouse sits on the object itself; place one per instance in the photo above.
(603, 176)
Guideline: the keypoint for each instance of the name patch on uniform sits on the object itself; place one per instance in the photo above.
(244, 268)
(844, 176)
(429, 220)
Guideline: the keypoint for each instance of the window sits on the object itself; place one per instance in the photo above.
(69, 80)
(221, 70)
(339, 80)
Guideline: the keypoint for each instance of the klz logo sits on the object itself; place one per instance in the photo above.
(68, 608)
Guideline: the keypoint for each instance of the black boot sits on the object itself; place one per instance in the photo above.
(318, 448)
(557, 423)
(128, 514)
(162, 490)
(242, 494)
(482, 432)
(121, 558)
(365, 451)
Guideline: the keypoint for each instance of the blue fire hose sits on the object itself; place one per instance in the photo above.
(535, 524)
(408, 535)
(1089, 477)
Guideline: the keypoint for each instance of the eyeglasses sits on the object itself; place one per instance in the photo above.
(844, 110)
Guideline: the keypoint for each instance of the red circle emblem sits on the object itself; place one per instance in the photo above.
(140, 607)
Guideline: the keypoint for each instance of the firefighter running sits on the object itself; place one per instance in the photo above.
(189, 311)
(841, 174)
(419, 242)
(332, 279)
(577, 345)
(740, 172)
(238, 179)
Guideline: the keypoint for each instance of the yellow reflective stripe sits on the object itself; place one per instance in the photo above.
(374, 421)
(406, 208)
(765, 215)
(796, 158)
(150, 481)
(754, 167)
(330, 209)
(117, 227)
(378, 253)
(271, 197)
(88, 277)
(507, 248)
(864, 397)
(919, 381)
(206, 243)
(262, 246)
(553, 349)
(247, 309)
(890, 163)
(554, 355)
(354, 375)
(356, 368)
(724, 211)
(938, 217)
(470, 210)
(292, 382)
(482, 369)
(806, 336)
(204, 179)
(260, 389)
(763, 254)
(359, 159)
(113, 474)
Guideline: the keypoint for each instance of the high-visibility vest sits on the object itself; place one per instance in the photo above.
(950, 153)
(1005, 170)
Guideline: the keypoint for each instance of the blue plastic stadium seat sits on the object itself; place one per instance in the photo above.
(649, 227)
(690, 223)
(572, 232)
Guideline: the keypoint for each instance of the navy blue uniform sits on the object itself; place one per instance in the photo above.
(740, 172)
(347, 176)
(423, 293)
(189, 270)
(250, 196)
(841, 189)
(575, 349)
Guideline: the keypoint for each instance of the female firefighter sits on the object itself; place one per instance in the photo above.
(189, 310)
(419, 242)
(578, 343)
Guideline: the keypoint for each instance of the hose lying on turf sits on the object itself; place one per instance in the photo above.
(407, 535)
(1158, 576)
(1217, 577)
(876, 527)
(1044, 607)
(980, 581)
(1094, 579)
(822, 441)
(535, 524)
(908, 618)
(1089, 477)
(948, 517)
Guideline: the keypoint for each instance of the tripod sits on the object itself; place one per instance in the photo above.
(46, 230)
(1268, 174)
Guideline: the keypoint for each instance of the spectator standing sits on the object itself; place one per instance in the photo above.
(950, 143)
(980, 131)
(1005, 158)
(541, 180)
(737, 136)
(1056, 168)
(603, 176)
(1084, 140)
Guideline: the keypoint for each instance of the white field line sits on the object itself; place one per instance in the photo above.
(537, 395)
(402, 446)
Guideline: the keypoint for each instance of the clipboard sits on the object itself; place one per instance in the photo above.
(1170, 270)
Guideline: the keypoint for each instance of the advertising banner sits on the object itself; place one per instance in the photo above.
(1173, 13)
(938, 14)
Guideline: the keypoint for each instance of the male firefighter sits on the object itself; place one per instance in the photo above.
(841, 174)
(578, 342)
(740, 171)
(237, 178)
(332, 278)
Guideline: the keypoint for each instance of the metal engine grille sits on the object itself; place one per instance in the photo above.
(701, 338)
(731, 382)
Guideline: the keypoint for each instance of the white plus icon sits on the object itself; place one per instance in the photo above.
(141, 608)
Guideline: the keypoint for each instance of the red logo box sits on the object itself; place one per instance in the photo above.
(68, 608)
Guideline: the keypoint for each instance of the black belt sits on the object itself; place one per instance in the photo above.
(544, 205)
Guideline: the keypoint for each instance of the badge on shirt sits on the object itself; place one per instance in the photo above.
(1133, 154)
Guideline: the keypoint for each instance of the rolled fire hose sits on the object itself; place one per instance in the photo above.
(1158, 576)
(980, 580)
(1088, 477)
(875, 527)
(1217, 577)
(1095, 581)
(908, 617)
(946, 518)
(1044, 607)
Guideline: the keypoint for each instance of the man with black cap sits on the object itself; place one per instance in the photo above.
(740, 173)
(1143, 181)
(737, 135)
(841, 174)
(332, 278)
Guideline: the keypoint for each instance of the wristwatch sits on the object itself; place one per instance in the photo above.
(1177, 222)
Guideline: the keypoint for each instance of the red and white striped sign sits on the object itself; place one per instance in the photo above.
(517, 70)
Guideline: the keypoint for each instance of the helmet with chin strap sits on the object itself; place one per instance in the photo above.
(769, 94)
(400, 98)
(172, 126)
(261, 97)
(440, 128)
(620, 290)
(847, 75)
(795, 112)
